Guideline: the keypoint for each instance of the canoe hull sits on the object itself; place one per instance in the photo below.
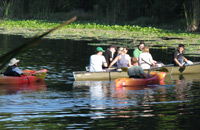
(156, 78)
(174, 70)
(112, 75)
(87, 76)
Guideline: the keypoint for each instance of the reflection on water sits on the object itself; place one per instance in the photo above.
(61, 103)
(22, 88)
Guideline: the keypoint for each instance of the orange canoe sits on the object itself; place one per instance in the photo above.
(28, 77)
(156, 78)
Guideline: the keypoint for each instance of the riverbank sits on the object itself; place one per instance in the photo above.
(127, 35)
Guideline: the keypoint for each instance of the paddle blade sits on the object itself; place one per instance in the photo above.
(41, 75)
(124, 69)
(181, 69)
(4, 59)
(162, 69)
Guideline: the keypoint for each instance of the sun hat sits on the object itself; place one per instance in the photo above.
(13, 61)
(100, 49)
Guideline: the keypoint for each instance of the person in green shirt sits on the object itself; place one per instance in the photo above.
(138, 50)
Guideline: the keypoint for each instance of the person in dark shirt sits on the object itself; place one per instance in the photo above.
(178, 57)
(109, 54)
(12, 69)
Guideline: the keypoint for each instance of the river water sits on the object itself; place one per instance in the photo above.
(62, 103)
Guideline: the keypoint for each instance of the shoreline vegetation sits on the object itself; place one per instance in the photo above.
(96, 34)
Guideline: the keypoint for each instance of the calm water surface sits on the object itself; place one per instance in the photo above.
(61, 103)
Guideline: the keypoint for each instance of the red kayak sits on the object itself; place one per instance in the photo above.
(156, 78)
(28, 77)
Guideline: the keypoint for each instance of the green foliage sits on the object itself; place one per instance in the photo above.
(42, 24)
(122, 34)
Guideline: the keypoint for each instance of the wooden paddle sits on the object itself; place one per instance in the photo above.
(4, 59)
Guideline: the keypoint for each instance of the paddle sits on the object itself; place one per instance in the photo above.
(124, 69)
(110, 69)
(38, 74)
(181, 69)
(4, 59)
(162, 69)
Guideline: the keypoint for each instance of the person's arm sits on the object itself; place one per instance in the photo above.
(105, 64)
(128, 72)
(185, 59)
(144, 75)
(153, 62)
(114, 61)
(177, 62)
(17, 70)
(129, 61)
(111, 56)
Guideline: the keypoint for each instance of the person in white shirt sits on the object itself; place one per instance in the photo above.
(145, 59)
(97, 60)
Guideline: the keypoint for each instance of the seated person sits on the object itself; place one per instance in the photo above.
(123, 59)
(136, 71)
(178, 57)
(138, 50)
(145, 59)
(109, 54)
(97, 60)
(12, 69)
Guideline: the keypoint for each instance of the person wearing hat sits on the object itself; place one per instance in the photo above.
(12, 69)
(178, 57)
(97, 60)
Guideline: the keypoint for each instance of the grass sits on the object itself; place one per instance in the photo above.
(127, 35)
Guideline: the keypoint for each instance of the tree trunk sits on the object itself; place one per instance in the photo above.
(195, 22)
(192, 14)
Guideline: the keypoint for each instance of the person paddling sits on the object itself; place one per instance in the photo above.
(178, 57)
(123, 60)
(136, 71)
(145, 59)
(12, 69)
